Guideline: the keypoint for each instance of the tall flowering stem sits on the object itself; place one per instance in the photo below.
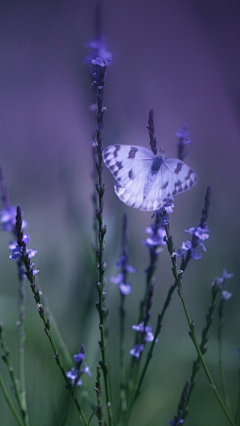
(153, 243)
(225, 296)
(122, 312)
(203, 345)
(8, 224)
(177, 274)
(99, 79)
(10, 402)
(25, 255)
(15, 383)
(178, 419)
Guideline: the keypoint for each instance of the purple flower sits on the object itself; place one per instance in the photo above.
(18, 252)
(8, 219)
(98, 49)
(101, 62)
(186, 245)
(226, 295)
(145, 331)
(171, 422)
(76, 372)
(156, 237)
(124, 287)
(136, 350)
(226, 275)
(199, 235)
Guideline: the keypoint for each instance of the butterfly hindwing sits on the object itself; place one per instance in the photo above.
(173, 177)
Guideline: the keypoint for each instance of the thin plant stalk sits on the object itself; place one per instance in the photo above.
(203, 345)
(37, 296)
(7, 359)
(177, 277)
(10, 402)
(21, 332)
(184, 263)
(221, 365)
(101, 265)
(122, 312)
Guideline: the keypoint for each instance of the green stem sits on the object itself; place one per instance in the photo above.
(100, 71)
(15, 382)
(237, 416)
(191, 326)
(221, 367)
(123, 396)
(10, 403)
(59, 339)
(21, 332)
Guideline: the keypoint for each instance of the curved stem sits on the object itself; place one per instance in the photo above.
(177, 278)
(10, 403)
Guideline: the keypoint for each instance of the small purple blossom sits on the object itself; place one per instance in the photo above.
(19, 250)
(125, 288)
(8, 219)
(199, 235)
(136, 350)
(186, 245)
(98, 49)
(76, 372)
(156, 237)
(101, 62)
(171, 422)
(226, 295)
(148, 336)
(227, 275)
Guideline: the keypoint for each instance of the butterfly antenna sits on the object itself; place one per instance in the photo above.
(175, 144)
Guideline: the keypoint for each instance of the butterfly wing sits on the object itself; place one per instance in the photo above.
(129, 165)
(173, 177)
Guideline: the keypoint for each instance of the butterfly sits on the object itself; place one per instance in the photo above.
(144, 180)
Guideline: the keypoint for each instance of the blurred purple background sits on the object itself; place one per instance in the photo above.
(180, 58)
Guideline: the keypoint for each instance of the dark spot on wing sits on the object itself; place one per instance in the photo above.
(130, 174)
(178, 183)
(108, 162)
(106, 154)
(164, 185)
(189, 174)
(191, 183)
(112, 167)
(156, 164)
(178, 168)
(174, 192)
(119, 165)
(132, 152)
(115, 153)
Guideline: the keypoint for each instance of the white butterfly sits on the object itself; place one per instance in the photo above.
(143, 180)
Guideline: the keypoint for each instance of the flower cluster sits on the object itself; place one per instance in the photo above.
(120, 279)
(98, 50)
(147, 336)
(156, 230)
(8, 219)
(198, 236)
(19, 250)
(76, 373)
(220, 281)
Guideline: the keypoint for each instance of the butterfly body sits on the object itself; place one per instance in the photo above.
(144, 180)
